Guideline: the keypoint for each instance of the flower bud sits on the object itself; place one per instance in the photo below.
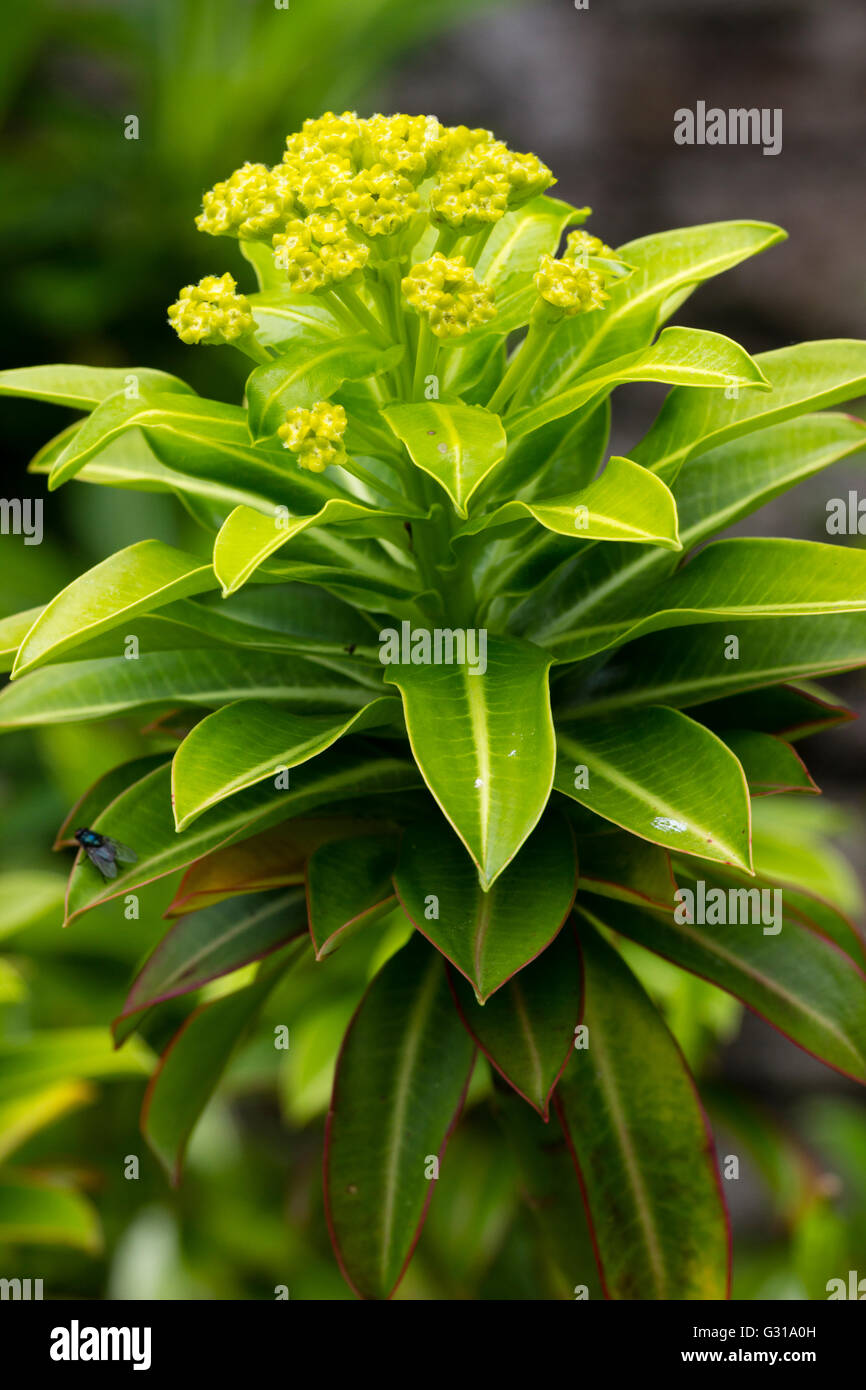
(212, 312)
(252, 203)
(326, 135)
(318, 253)
(409, 145)
(569, 287)
(315, 435)
(377, 201)
(480, 178)
(576, 283)
(445, 292)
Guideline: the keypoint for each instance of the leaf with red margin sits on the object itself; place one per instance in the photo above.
(826, 919)
(799, 981)
(487, 936)
(799, 905)
(550, 1192)
(619, 865)
(274, 859)
(206, 945)
(789, 711)
(141, 817)
(402, 1076)
(771, 765)
(189, 1070)
(526, 1030)
(641, 1144)
(348, 887)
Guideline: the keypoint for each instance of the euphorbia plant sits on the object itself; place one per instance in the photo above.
(447, 659)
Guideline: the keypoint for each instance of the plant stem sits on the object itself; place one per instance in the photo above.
(372, 482)
(518, 375)
(356, 307)
(425, 359)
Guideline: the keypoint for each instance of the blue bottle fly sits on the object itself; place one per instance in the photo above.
(104, 852)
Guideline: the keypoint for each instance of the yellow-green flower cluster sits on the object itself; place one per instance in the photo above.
(367, 172)
(377, 201)
(318, 252)
(252, 203)
(575, 284)
(480, 178)
(445, 292)
(410, 145)
(315, 435)
(212, 312)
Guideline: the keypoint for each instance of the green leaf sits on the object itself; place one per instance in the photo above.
(551, 1194)
(741, 579)
(129, 462)
(275, 858)
(520, 238)
(190, 1068)
(279, 614)
(142, 818)
(641, 1144)
(666, 268)
(796, 979)
(37, 1212)
(217, 941)
(684, 357)
(106, 687)
(712, 491)
(616, 865)
(283, 317)
(348, 887)
(401, 1078)
(28, 897)
(793, 711)
(103, 791)
(304, 374)
(717, 488)
(658, 774)
(26, 1115)
(560, 457)
(806, 377)
(455, 444)
(144, 576)
(526, 1030)
(488, 936)
(207, 439)
(770, 764)
(53, 1055)
(621, 505)
(690, 672)
(13, 630)
(83, 388)
(800, 905)
(250, 741)
(485, 746)
(250, 534)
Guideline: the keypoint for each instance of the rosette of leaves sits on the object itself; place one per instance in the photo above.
(527, 817)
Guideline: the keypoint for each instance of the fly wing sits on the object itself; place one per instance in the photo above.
(122, 852)
(102, 856)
